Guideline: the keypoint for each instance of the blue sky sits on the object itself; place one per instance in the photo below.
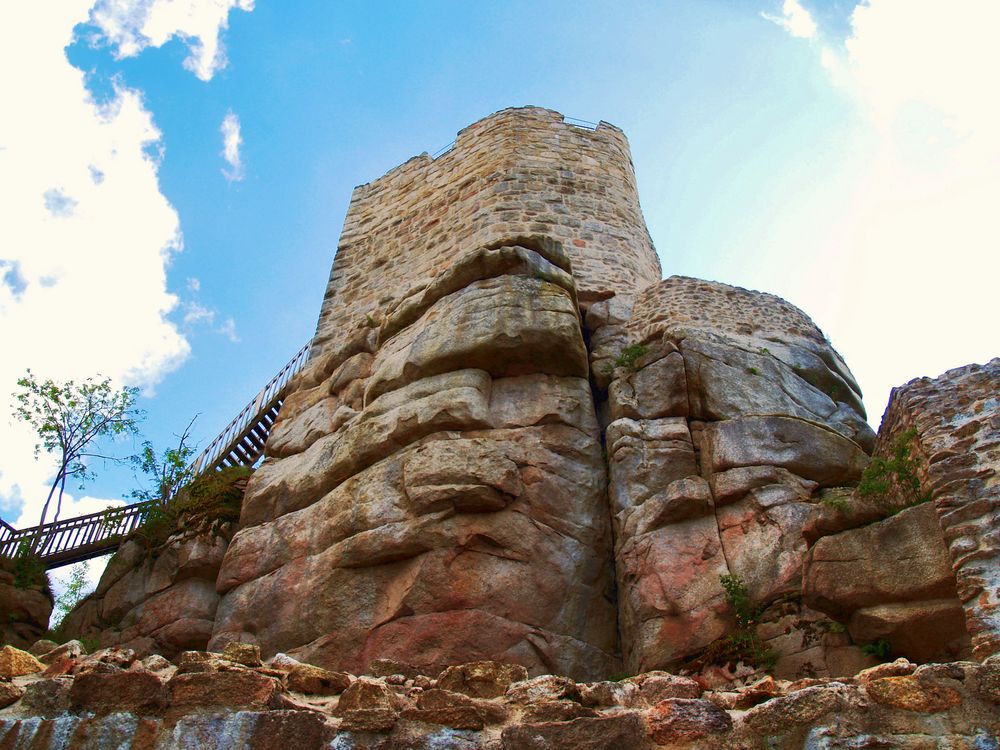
(841, 155)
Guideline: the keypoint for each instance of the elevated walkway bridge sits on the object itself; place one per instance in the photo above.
(241, 443)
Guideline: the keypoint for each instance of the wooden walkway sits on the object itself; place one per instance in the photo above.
(241, 443)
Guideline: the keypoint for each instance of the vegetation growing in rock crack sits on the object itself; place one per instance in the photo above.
(880, 649)
(898, 473)
(837, 502)
(743, 644)
(630, 355)
(199, 507)
(26, 567)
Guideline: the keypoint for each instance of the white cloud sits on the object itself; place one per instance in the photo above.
(86, 236)
(197, 313)
(231, 142)
(228, 329)
(85, 290)
(133, 25)
(794, 19)
(910, 265)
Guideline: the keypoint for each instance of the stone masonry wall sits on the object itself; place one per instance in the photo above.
(957, 420)
(518, 171)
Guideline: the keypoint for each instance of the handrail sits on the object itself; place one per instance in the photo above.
(241, 442)
(93, 531)
(219, 448)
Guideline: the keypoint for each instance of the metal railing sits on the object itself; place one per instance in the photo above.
(76, 539)
(241, 443)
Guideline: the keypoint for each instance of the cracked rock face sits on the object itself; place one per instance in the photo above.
(514, 442)
(459, 513)
(724, 430)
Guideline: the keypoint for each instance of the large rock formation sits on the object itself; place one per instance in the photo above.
(25, 607)
(730, 414)
(435, 489)
(514, 442)
(159, 601)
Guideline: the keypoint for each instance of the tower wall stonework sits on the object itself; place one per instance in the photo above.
(520, 171)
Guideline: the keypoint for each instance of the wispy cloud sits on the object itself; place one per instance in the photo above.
(131, 26)
(794, 19)
(197, 314)
(231, 143)
(228, 329)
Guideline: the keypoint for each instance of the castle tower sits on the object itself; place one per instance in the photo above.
(435, 490)
(523, 171)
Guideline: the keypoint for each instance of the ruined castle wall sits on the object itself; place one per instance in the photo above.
(956, 417)
(519, 171)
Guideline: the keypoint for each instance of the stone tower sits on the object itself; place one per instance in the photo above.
(436, 490)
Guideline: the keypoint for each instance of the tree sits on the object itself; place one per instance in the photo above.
(77, 588)
(68, 418)
(169, 472)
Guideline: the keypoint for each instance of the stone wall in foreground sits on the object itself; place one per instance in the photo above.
(232, 700)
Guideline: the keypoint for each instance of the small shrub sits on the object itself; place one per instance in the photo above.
(370, 321)
(210, 498)
(27, 568)
(880, 649)
(899, 473)
(753, 371)
(837, 502)
(764, 350)
(630, 355)
(744, 643)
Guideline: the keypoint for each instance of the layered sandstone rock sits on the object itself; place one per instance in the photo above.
(458, 513)
(159, 602)
(24, 611)
(731, 418)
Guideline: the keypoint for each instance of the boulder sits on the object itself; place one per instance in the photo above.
(900, 559)
(482, 679)
(676, 720)
(16, 663)
(808, 449)
(305, 678)
(623, 731)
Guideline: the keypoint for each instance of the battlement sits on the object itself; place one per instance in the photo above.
(516, 172)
